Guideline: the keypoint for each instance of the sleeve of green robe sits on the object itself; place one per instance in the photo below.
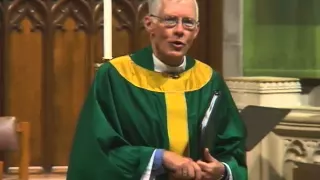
(230, 143)
(99, 151)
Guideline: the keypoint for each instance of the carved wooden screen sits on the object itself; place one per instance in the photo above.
(48, 52)
(47, 68)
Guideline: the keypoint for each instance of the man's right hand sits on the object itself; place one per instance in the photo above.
(181, 167)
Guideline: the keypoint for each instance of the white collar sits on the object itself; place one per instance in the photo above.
(159, 66)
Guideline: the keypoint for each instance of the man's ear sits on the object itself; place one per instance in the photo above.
(148, 25)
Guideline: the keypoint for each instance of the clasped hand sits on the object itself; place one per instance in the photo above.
(185, 168)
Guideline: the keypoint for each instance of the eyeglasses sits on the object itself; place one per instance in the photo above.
(172, 21)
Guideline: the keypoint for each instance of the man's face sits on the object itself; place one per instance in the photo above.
(174, 29)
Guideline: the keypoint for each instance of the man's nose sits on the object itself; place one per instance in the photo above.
(179, 29)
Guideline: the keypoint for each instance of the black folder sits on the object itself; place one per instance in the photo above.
(208, 130)
(259, 121)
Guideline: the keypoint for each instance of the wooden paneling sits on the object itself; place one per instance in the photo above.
(128, 30)
(97, 32)
(23, 72)
(200, 49)
(48, 53)
(1, 57)
(214, 32)
(72, 71)
(23, 81)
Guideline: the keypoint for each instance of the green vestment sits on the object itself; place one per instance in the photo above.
(131, 110)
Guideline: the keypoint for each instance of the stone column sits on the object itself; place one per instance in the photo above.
(232, 38)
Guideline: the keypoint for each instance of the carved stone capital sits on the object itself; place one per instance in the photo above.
(265, 91)
(301, 150)
(264, 85)
(296, 150)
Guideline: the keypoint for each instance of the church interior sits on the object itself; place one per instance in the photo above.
(50, 50)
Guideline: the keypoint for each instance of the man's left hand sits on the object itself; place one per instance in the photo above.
(212, 169)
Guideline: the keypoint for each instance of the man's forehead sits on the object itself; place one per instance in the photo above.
(177, 5)
(171, 1)
(177, 1)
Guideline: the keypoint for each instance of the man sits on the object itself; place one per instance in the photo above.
(142, 116)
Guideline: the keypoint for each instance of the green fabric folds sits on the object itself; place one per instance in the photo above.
(100, 150)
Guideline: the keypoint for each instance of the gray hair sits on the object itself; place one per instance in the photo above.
(154, 7)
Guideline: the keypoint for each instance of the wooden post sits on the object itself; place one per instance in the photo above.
(1, 170)
(24, 129)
